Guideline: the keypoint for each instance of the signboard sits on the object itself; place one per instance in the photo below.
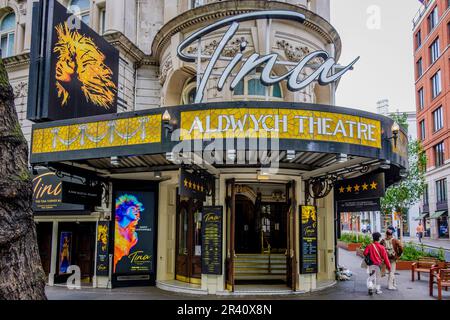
(65, 252)
(194, 185)
(47, 193)
(324, 73)
(102, 268)
(308, 240)
(369, 186)
(73, 70)
(212, 240)
(359, 205)
(81, 194)
(134, 234)
(283, 123)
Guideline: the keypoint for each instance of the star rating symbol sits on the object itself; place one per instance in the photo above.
(341, 190)
(357, 187)
(194, 186)
(349, 189)
(365, 186)
(186, 182)
(373, 186)
(190, 185)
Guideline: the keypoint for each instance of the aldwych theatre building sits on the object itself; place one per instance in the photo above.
(193, 145)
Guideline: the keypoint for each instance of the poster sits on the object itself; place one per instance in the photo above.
(79, 75)
(134, 232)
(65, 251)
(308, 240)
(212, 240)
(102, 248)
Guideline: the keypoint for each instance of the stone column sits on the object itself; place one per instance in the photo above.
(54, 254)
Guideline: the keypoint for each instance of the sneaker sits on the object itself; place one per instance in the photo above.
(379, 291)
(393, 288)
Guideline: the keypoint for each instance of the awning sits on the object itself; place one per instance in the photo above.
(437, 214)
(422, 216)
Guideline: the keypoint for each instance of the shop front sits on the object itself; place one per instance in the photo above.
(229, 186)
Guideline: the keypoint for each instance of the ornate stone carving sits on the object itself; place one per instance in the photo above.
(20, 89)
(295, 54)
(228, 51)
(164, 71)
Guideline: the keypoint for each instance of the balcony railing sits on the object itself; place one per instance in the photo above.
(423, 9)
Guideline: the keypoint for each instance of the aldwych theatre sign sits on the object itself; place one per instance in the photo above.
(323, 73)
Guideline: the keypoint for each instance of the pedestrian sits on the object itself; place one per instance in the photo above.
(419, 231)
(369, 229)
(394, 249)
(363, 228)
(377, 254)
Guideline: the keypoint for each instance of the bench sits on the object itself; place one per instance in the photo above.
(423, 265)
(435, 274)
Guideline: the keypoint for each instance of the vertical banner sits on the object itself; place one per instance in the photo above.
(102, 248)
(134, 232)
(308, 240)
(65, 251)
(212, 240)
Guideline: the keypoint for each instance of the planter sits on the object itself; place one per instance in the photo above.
(404, 265)
(348, 246)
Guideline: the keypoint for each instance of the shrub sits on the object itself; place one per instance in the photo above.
(412, 253)
(356, 238)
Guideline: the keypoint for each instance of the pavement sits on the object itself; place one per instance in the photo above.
(354, 289)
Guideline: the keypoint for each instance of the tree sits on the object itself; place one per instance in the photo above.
(21, 273)
(408, 192)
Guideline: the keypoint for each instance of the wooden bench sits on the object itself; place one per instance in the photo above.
(423, 265)
(435, 271)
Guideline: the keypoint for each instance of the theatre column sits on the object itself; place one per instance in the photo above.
(54, 254)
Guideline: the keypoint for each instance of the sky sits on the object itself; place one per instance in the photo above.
(380, 32)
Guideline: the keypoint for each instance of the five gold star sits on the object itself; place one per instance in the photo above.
(373, 186)
(349, 189)
(365, 186)
(357, 187)
(341, 190)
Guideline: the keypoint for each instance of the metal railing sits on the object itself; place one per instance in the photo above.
(421, 12)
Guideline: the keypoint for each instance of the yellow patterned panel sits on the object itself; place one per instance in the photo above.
(145, 129)
(37, 141)
(154, 129)
(83, 139)
(375, 129)
(298, 124)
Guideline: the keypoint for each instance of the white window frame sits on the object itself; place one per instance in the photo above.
(436, 84)
(85, 12)
(247, 96)
(438, 119)
(101, 20)
(434, 50)
(8, 34)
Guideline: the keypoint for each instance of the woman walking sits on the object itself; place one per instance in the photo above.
(394, 250)
(377, 254)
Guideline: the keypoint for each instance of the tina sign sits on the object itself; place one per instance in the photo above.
(320, 61)
(73, 70)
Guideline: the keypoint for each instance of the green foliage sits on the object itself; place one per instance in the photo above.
(401, 119)
(4, 81)
(409, 191)
(412, 252)
(354, 237)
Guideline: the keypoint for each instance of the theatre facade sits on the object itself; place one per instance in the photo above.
(234, 181)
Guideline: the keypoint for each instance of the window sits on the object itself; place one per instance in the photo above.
(421, 98)
(419, 68)
(196, 3)
(102, 22)
(439, 154)
(189, 92)
(422, 130)
(252, 86)
(441, 191)
(436, 84)
(7, 34)
(433, 19)
(434, 50)
(419, 39)
(425, 196)
(438, 119)
(84, 7)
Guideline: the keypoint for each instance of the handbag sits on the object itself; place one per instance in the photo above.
(366, 262)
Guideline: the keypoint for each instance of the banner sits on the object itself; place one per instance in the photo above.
(47, 193)
(73, 70)
(65, 252)
(81, 194)
(194, 185)
(368, 186)
(102, 248)
(212, 240)
(308, 240)
(134, 234)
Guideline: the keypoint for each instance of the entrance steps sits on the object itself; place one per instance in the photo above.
(260, 267)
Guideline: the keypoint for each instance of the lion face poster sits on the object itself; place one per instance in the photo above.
(79, 68)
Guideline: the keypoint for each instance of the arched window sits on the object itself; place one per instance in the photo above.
(7, 34)
(252, 86)
(84, 9)
(189, 92)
